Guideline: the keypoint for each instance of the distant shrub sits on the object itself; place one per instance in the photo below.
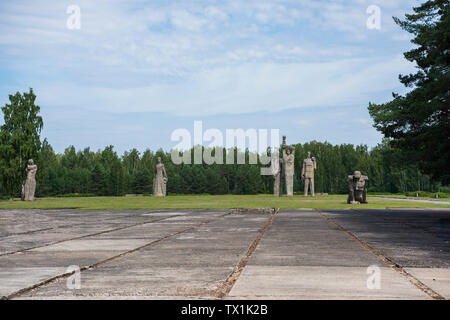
(75, 195)
(443, 195)
(415, 194)
(445, 189)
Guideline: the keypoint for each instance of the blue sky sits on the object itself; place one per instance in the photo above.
(137, 70)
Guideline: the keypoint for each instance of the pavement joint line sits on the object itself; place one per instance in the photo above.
(85, 236)
(416, 282)
(224, 289)
(28, 232)
(228, 284)
(95, 265)
(65, 226)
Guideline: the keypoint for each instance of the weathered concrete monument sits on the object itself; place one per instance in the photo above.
(288, 167)
(309, 165)
(276, 166)
(29, 187)
(357, 188)
(160, 180)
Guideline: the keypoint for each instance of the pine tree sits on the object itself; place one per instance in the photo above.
(418, 123)
(98, 180)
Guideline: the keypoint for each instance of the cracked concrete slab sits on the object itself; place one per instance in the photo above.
(438, 279)
(193, 263)
(191, 253)
(307, 282)
(15, 279)
(94, 245)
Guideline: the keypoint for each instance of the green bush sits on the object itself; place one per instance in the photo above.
(443, 195)
(75, 195)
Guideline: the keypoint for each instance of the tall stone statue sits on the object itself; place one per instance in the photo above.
(159, 180)
(357, 188)
(276, 167)
(30, 183)
(309, 165)
(288, 167)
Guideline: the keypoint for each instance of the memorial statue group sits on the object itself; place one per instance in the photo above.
(281, 169)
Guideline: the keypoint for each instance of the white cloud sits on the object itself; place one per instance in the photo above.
(200, 58)
(185, 20)
(251, 87)
(216, 13)
(231, 57)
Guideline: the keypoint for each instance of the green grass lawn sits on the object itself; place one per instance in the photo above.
(209, 201)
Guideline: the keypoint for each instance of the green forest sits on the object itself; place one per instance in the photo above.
(104, 172)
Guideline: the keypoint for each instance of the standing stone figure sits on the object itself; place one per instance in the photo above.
(309, 165)
(357, 188)
(276, 167)
(30, 184)
(288, 166)
(159, 180)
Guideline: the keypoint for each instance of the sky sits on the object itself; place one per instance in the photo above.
(135, 71)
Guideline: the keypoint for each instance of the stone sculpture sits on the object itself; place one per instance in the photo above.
(276, 167)
(288, 167)
(309, 165)
(30, 183)
(160, 180)
(357, 188)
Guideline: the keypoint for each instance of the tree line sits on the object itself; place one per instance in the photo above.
(105, 173)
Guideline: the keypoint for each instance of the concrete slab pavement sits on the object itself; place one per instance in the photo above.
(303, 256)
(438, 279)
(172, 254)
(321, 282)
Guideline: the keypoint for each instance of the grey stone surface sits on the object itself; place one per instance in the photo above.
(15, 279)
(303, 256)
(94, 245)
(318, 282)
(192, 263)
(304, 238)
(211, 244)
(438, 279)
(417, 238)
(189, 253)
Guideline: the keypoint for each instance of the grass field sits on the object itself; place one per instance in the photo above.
(211, 202)
(402, 196)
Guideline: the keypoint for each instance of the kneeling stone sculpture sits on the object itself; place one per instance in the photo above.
(357, 188)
